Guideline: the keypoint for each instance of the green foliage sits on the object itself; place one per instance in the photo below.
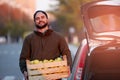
(15, 29)
(68, 14)
(13, 21)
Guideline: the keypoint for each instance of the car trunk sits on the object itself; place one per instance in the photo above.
(104, 63)
(102, 23)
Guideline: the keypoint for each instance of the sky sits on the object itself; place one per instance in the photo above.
(45, 4)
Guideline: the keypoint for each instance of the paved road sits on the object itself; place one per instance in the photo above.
(9, 56)
(9, 67)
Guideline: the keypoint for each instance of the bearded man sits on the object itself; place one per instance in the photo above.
(43, 43)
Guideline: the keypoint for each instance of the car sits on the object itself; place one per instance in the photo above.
(2, 40)
(98, 56)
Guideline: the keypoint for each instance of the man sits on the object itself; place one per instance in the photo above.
(43, 43)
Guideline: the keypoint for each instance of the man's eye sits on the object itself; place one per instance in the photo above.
(37, 18)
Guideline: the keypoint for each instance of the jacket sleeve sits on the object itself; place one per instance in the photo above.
(25, 54)
(64, 49)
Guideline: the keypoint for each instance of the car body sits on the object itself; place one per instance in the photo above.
(2, 40)
(98, 56)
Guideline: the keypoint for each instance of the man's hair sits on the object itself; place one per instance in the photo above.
(41, 12)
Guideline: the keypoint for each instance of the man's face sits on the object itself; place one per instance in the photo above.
(40, 20)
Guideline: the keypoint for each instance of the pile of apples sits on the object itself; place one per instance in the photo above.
(36, 61)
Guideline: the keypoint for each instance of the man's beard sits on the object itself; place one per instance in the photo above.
(41, 27)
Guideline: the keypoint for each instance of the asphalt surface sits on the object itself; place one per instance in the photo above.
(9, 61)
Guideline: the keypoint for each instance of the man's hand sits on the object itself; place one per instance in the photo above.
(25, 75)
(64, 57)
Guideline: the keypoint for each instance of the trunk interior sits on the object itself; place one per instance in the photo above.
(104, 63)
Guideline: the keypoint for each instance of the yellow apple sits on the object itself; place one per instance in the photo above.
(36, 61)
(45, 61)
(31, 62)
(51, 60)
(58, 59)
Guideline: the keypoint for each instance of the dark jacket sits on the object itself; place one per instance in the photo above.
(49, 45)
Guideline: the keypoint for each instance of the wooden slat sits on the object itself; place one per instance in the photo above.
(36, 78)
(49, 77)
(56, 76)
(49, 70)
(45, 65)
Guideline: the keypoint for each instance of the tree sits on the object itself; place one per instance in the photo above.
(13, 21)
(68, 14)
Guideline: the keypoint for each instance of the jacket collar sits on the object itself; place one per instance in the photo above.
(46, 33)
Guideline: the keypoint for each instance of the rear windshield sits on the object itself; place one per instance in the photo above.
(104, 18)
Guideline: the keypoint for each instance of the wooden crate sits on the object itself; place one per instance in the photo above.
(48, 71)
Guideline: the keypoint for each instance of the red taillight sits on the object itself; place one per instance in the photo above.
(81, 62)
(78, 75)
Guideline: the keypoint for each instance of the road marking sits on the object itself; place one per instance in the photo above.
(9, 52)
(9, 78)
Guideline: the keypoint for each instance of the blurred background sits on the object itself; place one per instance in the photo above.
(16, 21)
